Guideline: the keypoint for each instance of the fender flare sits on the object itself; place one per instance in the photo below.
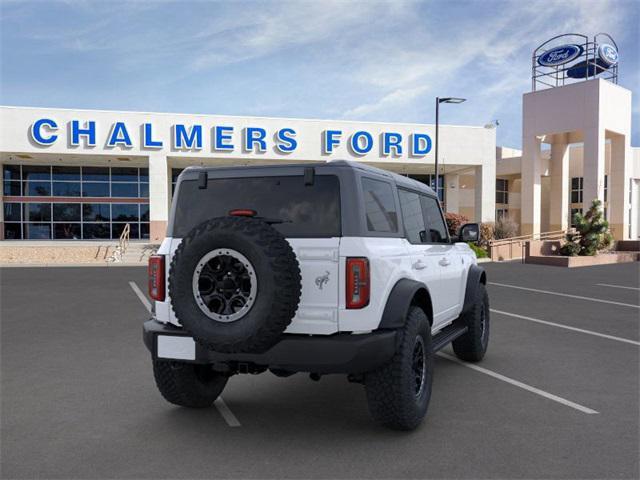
(475, 277)
(405, 293)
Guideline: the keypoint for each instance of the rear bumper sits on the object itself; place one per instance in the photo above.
(339, 353)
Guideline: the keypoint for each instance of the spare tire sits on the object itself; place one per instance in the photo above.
(235, 284)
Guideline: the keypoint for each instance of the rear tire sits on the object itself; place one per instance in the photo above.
(187, 384)
(398, 394)
(472, 346)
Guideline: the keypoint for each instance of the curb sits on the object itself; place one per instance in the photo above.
(68, 265)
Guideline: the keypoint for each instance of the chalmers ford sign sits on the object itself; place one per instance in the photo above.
(222, 138)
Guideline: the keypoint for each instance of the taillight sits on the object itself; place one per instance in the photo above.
(156, 277)
(358, 282)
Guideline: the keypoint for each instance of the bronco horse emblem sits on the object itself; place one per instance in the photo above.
(321, 280)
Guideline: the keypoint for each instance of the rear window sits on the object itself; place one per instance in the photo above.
(306, 210)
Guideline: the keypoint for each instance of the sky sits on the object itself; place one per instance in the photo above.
(345, 60)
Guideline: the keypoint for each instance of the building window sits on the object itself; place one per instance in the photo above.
(576, 190)
(606, 187)
(74, 221)
(64, 215)
(62, 181)
(502, 213)
(175, 173)
(431, 181)
(502, 190)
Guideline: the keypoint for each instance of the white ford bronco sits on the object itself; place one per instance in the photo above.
(322, 268)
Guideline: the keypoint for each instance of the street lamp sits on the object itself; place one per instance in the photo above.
(438, 102)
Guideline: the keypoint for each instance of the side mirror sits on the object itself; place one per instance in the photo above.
(469, 232)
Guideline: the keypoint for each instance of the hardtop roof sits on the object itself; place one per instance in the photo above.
(397, 178)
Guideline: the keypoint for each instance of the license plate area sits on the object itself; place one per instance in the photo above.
(175, 347)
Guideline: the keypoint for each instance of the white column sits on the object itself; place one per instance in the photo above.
(618, 188)
(485, 191)
(452, 192)
(531, 188)
(593, 166)
(559, 205)
(158, 196)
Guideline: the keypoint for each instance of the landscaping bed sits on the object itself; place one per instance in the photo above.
(584, 261)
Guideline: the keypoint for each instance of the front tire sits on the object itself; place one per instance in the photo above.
(187, 384)
(398, 394)
(472, 346)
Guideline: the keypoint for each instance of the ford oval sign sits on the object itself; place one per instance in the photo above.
(560, 55)
(608, 54)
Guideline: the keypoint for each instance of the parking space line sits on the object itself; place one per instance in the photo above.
(590, 299)
(145, 301)
(224, 411)
(566, 327)
(518, 384)
(616, 286)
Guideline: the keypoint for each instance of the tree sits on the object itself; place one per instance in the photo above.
(591, 235)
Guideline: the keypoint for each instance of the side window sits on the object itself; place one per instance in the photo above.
(436, 228)
(380, 207)
(412, 216)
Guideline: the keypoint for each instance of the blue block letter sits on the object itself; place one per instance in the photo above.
(421, 144)
(222, 136)
(89, 131)
(119, 136)
(36, 131)
(286, 140)
(147, 138)
(184, 139)
(255, 135)
(356, 145)
(331, 139)
(391, 140)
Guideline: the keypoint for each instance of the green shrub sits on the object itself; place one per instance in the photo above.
(591, 235)
(479, 251)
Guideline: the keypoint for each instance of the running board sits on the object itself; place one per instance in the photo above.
(447, 335)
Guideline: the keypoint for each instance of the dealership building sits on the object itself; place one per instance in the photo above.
(85, 174)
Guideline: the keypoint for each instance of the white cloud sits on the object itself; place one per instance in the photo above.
(492, 52)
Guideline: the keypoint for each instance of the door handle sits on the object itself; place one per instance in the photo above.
(419, 265)
(444, 261)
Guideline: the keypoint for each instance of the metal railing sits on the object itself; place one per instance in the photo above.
(543, 76)
(123, 243)
(553, 235)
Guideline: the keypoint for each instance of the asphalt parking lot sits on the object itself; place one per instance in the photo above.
(556, 397)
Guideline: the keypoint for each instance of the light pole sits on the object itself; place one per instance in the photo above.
(438, 102)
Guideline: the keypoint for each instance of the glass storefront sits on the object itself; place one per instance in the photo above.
(431, 181)
(114, 197)
(175, 173)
